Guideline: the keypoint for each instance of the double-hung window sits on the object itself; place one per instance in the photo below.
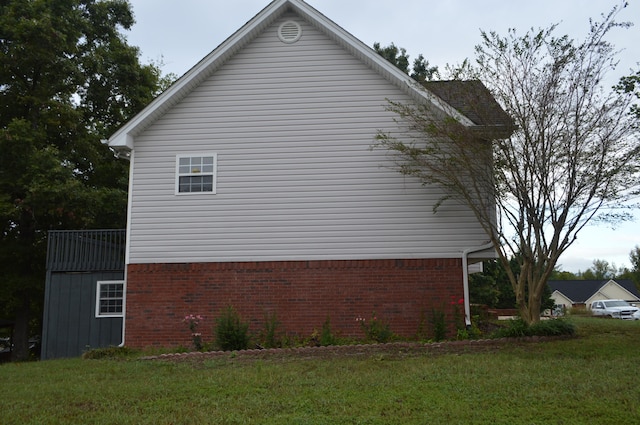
(110, 298)
(196, 173)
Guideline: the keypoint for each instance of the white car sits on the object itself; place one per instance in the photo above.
(618, 309)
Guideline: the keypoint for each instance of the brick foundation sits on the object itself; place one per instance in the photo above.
(302, 294)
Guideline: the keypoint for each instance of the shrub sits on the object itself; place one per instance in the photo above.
(326, 335)
(439, 324)
(375, 330)
(231, 333)
(472, 332)
(270, 336)
(518, 328)
(514, 329)
(553, 327)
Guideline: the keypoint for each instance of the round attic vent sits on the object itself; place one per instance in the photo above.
(289, 32)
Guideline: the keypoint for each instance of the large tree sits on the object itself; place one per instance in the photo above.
(572, 158)
(68, 78)
(420, 70)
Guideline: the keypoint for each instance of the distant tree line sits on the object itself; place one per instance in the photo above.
(602, 269)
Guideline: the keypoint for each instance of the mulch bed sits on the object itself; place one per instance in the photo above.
(389, 350)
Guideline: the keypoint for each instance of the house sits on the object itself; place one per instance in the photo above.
(253, 184)
(578, 293)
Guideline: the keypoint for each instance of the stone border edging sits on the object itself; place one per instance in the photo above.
(394, 348)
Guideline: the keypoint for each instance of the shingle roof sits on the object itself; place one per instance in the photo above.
(579, 291)
(472, 99)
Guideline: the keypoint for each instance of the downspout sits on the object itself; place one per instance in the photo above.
(127, 155)
(465, 279)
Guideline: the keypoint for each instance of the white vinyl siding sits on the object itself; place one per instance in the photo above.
(292, 126)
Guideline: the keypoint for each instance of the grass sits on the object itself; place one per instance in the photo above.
(591, 378)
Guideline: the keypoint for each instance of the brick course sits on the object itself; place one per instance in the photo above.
(302, 294)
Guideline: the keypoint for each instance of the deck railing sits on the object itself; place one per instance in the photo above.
(86, 250)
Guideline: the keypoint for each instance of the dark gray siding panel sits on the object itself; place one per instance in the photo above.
(70, 325)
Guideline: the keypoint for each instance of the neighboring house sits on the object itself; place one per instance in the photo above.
(578, 293)
(253, 184)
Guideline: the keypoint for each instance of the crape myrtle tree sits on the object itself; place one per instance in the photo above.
(68, 79)
(631, 84)
(572, 158)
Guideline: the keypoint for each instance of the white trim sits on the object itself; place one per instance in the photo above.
(213, 173)
(97, 310)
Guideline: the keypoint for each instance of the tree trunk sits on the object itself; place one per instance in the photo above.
(530, 311)
(21, 332)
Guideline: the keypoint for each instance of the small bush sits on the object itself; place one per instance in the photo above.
(438, 321)
(518, 328)
(375, 330)
(326, 335)
(514, 329)
(231, 333)
(553, 327)
(473, 332)
(270, 337)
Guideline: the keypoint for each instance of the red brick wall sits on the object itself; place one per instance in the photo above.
(302, 294)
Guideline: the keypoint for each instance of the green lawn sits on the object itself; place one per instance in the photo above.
(589, 379)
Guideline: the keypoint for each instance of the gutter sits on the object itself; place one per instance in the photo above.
(465, 279)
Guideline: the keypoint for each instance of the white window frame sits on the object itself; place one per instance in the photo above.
(99, 313)
(196, 172)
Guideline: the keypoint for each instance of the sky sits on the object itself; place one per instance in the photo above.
(179, 34)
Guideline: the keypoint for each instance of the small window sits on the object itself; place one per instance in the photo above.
(196, 174)
(110, 298)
